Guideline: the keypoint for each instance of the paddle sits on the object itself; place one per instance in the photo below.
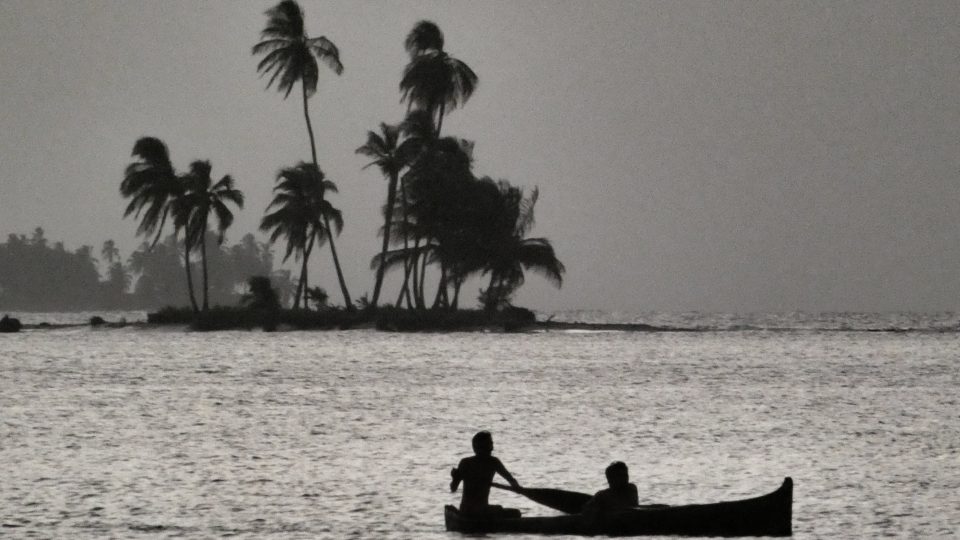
(570, 502)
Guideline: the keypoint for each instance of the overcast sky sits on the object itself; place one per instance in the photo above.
(715, 156)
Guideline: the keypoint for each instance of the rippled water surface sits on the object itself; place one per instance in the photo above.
(139, 432)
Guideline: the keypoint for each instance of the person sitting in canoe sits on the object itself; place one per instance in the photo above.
(621, 494)
(476, 472)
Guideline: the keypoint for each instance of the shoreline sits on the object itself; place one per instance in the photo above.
(496, 325)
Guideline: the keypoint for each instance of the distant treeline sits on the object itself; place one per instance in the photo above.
(38, 275)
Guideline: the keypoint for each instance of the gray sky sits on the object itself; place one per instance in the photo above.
(732, 156)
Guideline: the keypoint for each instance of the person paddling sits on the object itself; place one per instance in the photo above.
(621, 494)
(476, 472)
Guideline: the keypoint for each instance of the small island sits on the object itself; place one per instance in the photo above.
(442, 223)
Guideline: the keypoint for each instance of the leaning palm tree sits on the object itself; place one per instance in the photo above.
(152, 185)
(434, 80)
(290, 56)
(202, 197)
(384, 149)
(509, 253)
(299, 213)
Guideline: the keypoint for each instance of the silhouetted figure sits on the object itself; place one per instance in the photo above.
(621, 494)
(477, 472)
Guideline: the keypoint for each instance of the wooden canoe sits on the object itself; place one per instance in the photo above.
(767, 515)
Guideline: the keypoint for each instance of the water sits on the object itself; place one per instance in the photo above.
(157, 433)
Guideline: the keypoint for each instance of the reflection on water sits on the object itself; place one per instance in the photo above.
(157, 433)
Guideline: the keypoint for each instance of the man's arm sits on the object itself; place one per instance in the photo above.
(502, 471)
(455, 473)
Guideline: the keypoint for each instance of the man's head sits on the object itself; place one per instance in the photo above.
(617, 474)
(483, 443)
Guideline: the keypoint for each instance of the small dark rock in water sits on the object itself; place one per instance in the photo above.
(97, 320)
(9, 324)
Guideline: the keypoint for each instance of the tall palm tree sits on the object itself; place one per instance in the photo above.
(434, 80)
(202, 197)
(299, 212)
(384, 149)
(291, 56)
(152, 185)
(419, 136)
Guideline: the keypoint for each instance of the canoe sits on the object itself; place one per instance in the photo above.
(767, 515)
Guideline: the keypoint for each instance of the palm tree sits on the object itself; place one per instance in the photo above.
(117, 277)
(201, 198)
(152, 185)
(291, 56)
(384, 150)
(434, 80)
(509, 253)
(300, 214)
(419, 136)
(436, 185)
(109, 251)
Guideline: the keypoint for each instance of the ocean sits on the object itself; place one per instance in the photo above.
(142, 432)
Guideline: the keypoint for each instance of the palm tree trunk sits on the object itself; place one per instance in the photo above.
(456, 294)
(422, 301)
(441, 287)
(333, 248)
(306, 288)
(405, 289)
(299, 293)
(186, 260)
(490, 304)
(440, 118)
(302, 287)
(387, 220)
(415, 273)
(336, 263)
(203, 263)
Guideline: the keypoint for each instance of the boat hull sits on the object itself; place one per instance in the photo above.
(767, 515)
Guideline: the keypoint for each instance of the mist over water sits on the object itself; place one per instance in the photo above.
(162, 433)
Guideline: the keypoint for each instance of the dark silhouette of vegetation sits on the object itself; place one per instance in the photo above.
(439, 218)
(301, 214)
(193, 207)
(291, 56)
(385, 151)
(262, 295)
(319, 297)
(38, 276)
(448, 218)
(384, 318)
(155, 190)
(152, 185)
(433, 80)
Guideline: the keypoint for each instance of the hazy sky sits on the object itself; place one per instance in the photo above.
(737, 156)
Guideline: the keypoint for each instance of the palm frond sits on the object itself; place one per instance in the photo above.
(325, 50)
(270, 45)
(424, 36)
